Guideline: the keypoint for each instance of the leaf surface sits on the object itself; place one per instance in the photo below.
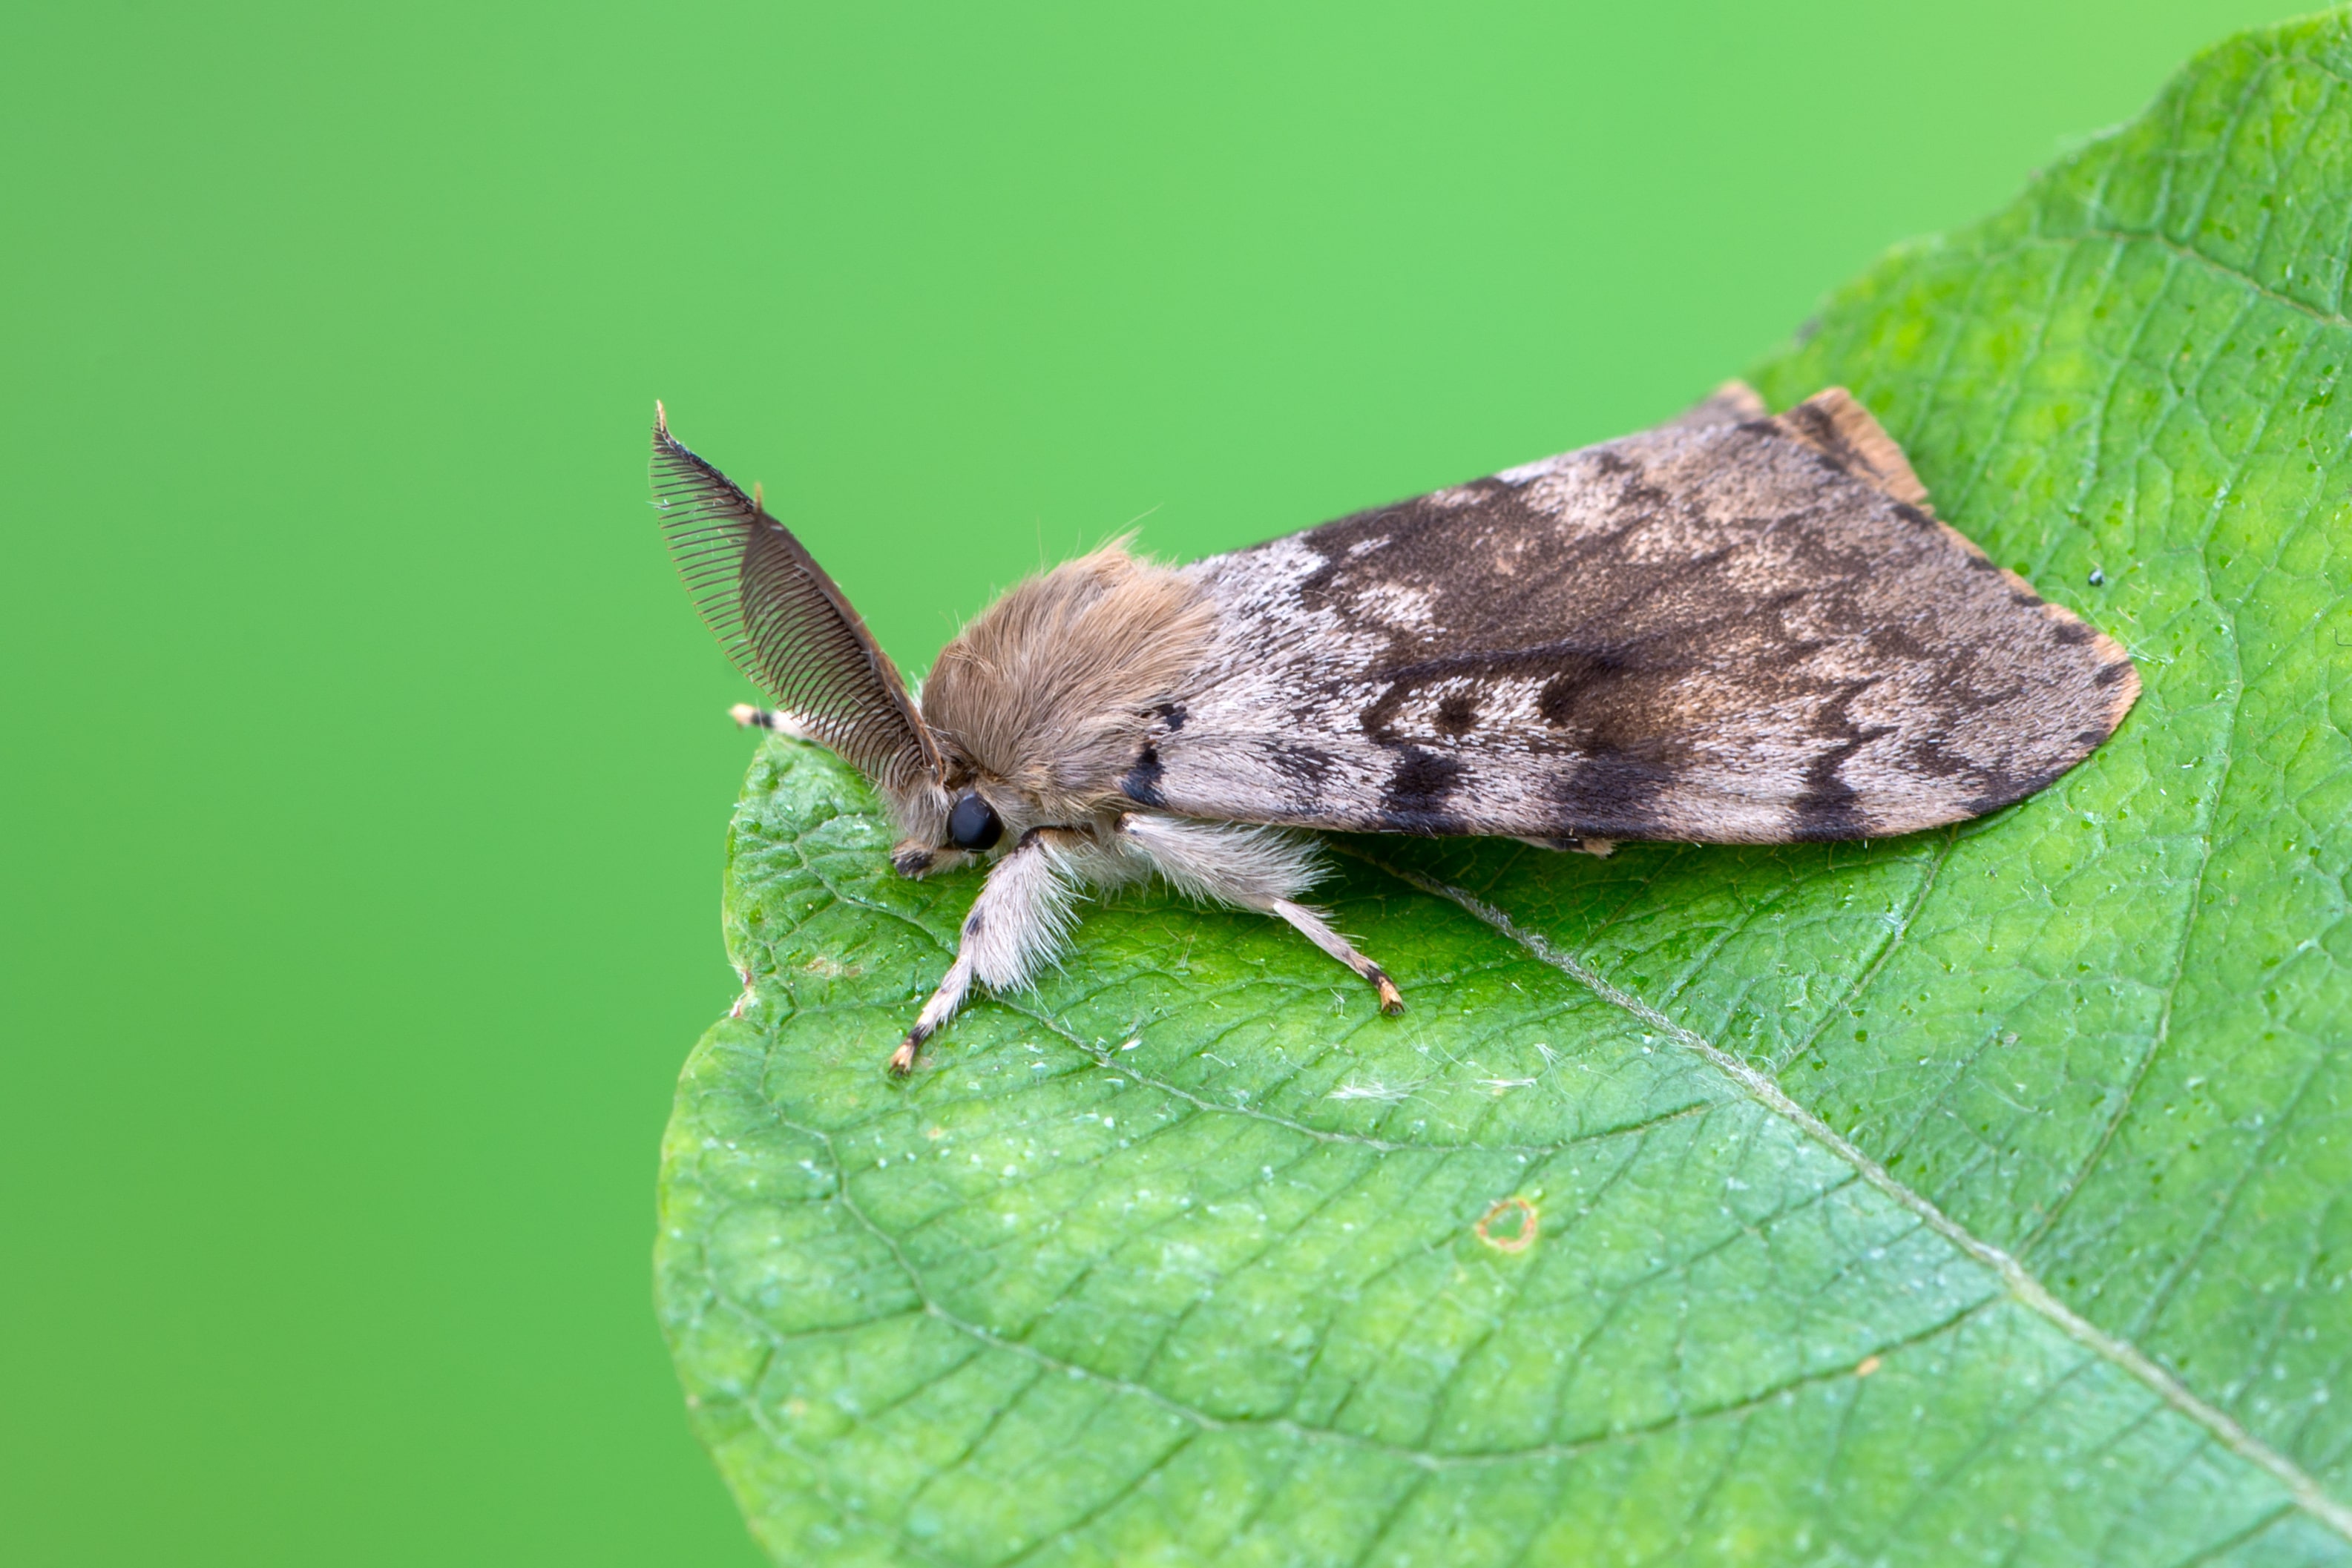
(1979, 1196)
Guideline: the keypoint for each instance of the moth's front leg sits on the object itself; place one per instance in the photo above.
(1016, 922)
(746, 716)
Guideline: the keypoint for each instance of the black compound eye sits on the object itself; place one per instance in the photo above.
(973, 825)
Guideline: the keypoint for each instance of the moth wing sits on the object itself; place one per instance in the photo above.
(1730, 403)
(1730, 628)
(784, 621)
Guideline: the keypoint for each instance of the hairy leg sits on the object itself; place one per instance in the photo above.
(1017, 924)
(1312, 926)
(746, 716)
(1255, 868)
(936, 1012)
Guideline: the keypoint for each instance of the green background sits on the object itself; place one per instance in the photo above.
(365, 769)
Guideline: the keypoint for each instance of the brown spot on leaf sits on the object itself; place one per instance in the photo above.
(1513, 1236)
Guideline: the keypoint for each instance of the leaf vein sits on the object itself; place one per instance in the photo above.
(2022, 1284)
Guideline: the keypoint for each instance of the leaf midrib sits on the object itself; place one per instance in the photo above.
(2019, 1283)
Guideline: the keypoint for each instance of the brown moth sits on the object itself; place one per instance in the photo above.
(1731, 629)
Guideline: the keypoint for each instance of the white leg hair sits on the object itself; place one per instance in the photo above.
(1255, 868)
(1017, 924)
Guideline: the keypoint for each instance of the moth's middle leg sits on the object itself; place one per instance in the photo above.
(1257, 868)
(1313, 926)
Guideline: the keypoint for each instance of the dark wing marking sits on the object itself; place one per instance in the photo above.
(1721, 630)
(782, 620)
(1839, 429)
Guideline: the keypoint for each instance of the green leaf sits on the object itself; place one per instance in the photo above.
(1981, 1196)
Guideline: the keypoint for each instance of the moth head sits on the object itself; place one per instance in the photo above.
(971, 827)
(787, 625)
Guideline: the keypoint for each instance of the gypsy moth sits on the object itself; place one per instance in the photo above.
(1734, 628)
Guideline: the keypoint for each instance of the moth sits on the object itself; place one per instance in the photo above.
(1736, 628)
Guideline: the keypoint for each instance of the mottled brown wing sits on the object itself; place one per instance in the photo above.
(1730, 629)
(782, 620)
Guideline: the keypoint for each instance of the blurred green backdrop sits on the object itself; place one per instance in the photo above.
(365, 767)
